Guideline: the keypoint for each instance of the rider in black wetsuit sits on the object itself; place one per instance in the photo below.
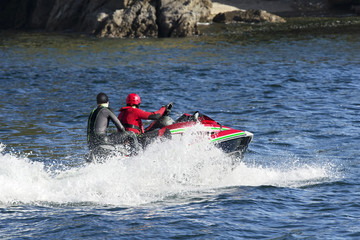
(99, 121)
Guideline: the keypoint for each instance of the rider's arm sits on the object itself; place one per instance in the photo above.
(150, 115)
(116, 121)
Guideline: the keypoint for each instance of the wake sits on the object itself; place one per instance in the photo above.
(165, 169)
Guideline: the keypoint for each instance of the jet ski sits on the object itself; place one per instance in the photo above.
(231, 141)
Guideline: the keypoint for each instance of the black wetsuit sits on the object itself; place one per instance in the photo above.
(98, 123)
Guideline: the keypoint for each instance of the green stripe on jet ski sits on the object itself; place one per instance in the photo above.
(218, 128)
(228, 136)
(177, 130)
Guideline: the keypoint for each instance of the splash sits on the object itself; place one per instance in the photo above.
(172, 168)
(290, 176)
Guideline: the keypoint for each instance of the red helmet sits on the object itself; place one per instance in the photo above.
(133, 99)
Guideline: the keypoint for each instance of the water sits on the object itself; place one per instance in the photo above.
(298, 94)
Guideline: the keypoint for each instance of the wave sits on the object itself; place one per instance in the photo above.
(173, 168)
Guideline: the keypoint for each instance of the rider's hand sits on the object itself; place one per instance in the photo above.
(168, 109)
(169, 105)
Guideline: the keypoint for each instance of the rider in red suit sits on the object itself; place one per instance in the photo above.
(131, 115)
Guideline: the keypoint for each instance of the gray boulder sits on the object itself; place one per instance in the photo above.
(136, 21)
(255, 16)
(179, 18)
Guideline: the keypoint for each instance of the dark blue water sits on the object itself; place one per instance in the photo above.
(298, 94)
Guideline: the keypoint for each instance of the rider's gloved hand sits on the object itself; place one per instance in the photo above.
(168, 108)
(169, 105)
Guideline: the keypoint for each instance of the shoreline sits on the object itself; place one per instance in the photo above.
(301, 8)
(174, 19)
(220, 7)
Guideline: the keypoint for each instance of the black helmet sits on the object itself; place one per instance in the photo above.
(102, 98)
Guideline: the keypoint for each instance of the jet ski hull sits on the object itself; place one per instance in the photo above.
(231, 141)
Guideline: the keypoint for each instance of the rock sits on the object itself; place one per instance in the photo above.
(179, 18)
(136, 21)
(118, 18)
(129, 18)
(40, 14)
(255, 16)
(155, 18)
(298, 8)
(80, 15)
(23, 14)
(356, 9)
(221, 8)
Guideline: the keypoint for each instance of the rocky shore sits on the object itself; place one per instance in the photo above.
(297, 8)
(157, 18)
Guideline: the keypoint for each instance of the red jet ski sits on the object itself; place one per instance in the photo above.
(230, 140)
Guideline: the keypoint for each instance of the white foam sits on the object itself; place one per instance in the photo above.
(165, 169)
(298, 176)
